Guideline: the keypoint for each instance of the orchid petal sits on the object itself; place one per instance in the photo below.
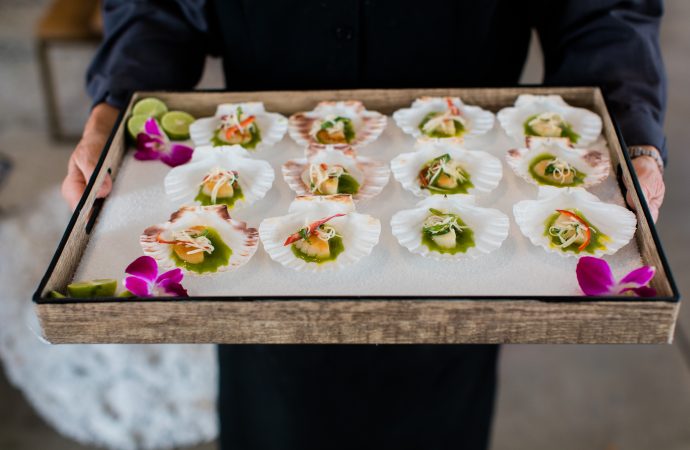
(144, 267)
(147, 148)
(179, 154)
(639, 277)
(174, 275)
(645, 291)
(173, 288)
(138, 286)
(146, 155)
(151, 127)
(594, 276)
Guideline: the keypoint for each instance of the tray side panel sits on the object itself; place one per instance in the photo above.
(383, 100)
(644, 236)
(76, 236)
(360, 322)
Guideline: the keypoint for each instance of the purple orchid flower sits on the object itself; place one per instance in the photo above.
(152, 144)
(595, 278)
(145, 281)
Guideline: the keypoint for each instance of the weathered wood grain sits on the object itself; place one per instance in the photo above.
(360, 322)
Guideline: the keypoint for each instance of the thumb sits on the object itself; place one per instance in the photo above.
(86, 162)
(651, 203)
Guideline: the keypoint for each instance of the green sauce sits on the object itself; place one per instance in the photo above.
(566, 130)
(463, 240)
(212, 261)
(347, 184)
(205, 200)
(597, 241)
(459, 127)
(217, 140)
(335, 245)
(461, 188)
(578, 178)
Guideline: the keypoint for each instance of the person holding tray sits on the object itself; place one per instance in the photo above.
(361, 397)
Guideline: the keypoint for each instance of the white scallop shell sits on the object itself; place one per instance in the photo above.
(242, 240)
(255, 176)
(479, 121)
(371, 175)
(616, 222)
(271, 125)
(594, 164)
(490, 226)
(368, 125)
(360, 232)
(583, 121)
(485, 170)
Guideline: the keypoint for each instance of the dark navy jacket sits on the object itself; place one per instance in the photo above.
(310, 44)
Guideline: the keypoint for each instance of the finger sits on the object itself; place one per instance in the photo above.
(106, 187)
(86, 163)
(72, 188)
(654, 211)
(629, 198)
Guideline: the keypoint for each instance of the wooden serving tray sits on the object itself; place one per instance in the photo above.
(452, 318)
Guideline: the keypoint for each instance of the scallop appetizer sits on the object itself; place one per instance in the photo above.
(320, 233)
(201, 240)
(549, 116)
(450, 228)
(443, 118)
(445, 168)
(245, 124)
(554, 163)
(346, 122)
(573, 222)
(220, 176)
(333, 170)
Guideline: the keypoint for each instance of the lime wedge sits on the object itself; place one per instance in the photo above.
(95, 288)
(135, 125)
(150, 107)
(176, 124)
(56, 294)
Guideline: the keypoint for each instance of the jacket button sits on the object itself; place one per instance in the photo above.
(343, 33)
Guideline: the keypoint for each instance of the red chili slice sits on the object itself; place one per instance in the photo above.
(311, 229)
(234, 129)
(588, 232)
(451, 106)
(423, 181)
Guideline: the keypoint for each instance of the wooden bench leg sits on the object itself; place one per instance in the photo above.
(49, 93)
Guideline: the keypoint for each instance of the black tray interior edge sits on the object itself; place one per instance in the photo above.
(39, 299)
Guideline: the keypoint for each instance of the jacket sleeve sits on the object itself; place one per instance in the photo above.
(148, 44)
(613, 44)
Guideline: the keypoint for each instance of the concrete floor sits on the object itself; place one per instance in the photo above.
(565, 397)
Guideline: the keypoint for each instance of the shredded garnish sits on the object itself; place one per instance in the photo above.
(234, 123)
(547, 124)
(220, 178)
(193, 239)
(332, 124)
(326, 232)
(444, 164)
(444, 120)
(560, 170)
(314, 228)
(319, 173)
(441, 223)
(571, 229)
